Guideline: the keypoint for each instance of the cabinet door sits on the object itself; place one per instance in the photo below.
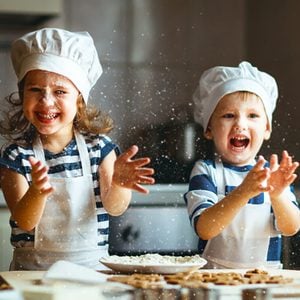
(6, 249)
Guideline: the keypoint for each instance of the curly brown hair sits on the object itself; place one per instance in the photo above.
(15, 127)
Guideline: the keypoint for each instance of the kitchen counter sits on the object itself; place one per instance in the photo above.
(28, 285)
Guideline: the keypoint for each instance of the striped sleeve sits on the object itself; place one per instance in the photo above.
(202, 191)
(16, 158)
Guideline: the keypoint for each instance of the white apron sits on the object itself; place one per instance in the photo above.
(68, 227)
(244, 242)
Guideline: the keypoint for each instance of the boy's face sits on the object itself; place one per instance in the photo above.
(238, 127)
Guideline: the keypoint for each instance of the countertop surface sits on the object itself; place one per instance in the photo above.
(29, 285)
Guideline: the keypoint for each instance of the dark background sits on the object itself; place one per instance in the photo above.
(154, 51)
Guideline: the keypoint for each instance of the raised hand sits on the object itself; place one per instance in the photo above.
(282, 174)
(40, 180)
(256, 180)
(131, 173)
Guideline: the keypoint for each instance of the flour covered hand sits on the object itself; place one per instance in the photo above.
(40, 180)
(256, 180)
(131, 173)
(282, 173)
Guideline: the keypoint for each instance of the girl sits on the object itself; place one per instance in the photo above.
(62, 177)
(240, 206)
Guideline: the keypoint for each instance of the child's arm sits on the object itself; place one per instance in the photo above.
(217, 217)
(282, 176)
(119, 176)
(25, 202)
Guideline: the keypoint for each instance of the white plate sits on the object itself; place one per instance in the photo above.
(148, 268)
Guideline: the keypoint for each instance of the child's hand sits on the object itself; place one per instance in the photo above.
(131, 173)
(256, 180)
(282, 175)
(40, 180)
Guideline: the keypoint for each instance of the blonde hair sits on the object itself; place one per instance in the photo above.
(245, 94)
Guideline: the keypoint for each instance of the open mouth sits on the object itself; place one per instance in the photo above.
(48, 117)
(239, 142)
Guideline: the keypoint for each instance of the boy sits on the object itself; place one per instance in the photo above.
(240, 206)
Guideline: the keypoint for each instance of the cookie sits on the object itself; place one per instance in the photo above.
(139, 280)
(198, 279)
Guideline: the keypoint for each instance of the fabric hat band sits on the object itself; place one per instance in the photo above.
(60, 65)
(236, 85)
(71, 54)
(219, 81)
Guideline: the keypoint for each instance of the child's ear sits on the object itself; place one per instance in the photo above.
(268, 132)
(208, 134)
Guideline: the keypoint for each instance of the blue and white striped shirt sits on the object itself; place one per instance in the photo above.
(203, 193)
(64, 164)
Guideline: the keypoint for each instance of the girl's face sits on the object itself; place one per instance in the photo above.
(50, 102)
(238, 127)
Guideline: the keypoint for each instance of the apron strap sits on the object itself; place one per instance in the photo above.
(38, 150)
(220, 178)
(82, 149)
(83, 153)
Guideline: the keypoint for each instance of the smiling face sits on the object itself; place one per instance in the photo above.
(50, 102)
(238, 127)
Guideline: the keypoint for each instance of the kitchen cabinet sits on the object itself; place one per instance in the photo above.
(6, 249)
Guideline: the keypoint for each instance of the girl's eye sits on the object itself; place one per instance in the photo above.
(228, 115)
(34, 89)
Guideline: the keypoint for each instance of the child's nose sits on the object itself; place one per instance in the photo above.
(47, 97)
(240, 124)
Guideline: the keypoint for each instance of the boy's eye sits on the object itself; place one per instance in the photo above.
(253, 116)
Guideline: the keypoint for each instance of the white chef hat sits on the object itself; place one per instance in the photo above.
(71, 54)
(219, 81)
